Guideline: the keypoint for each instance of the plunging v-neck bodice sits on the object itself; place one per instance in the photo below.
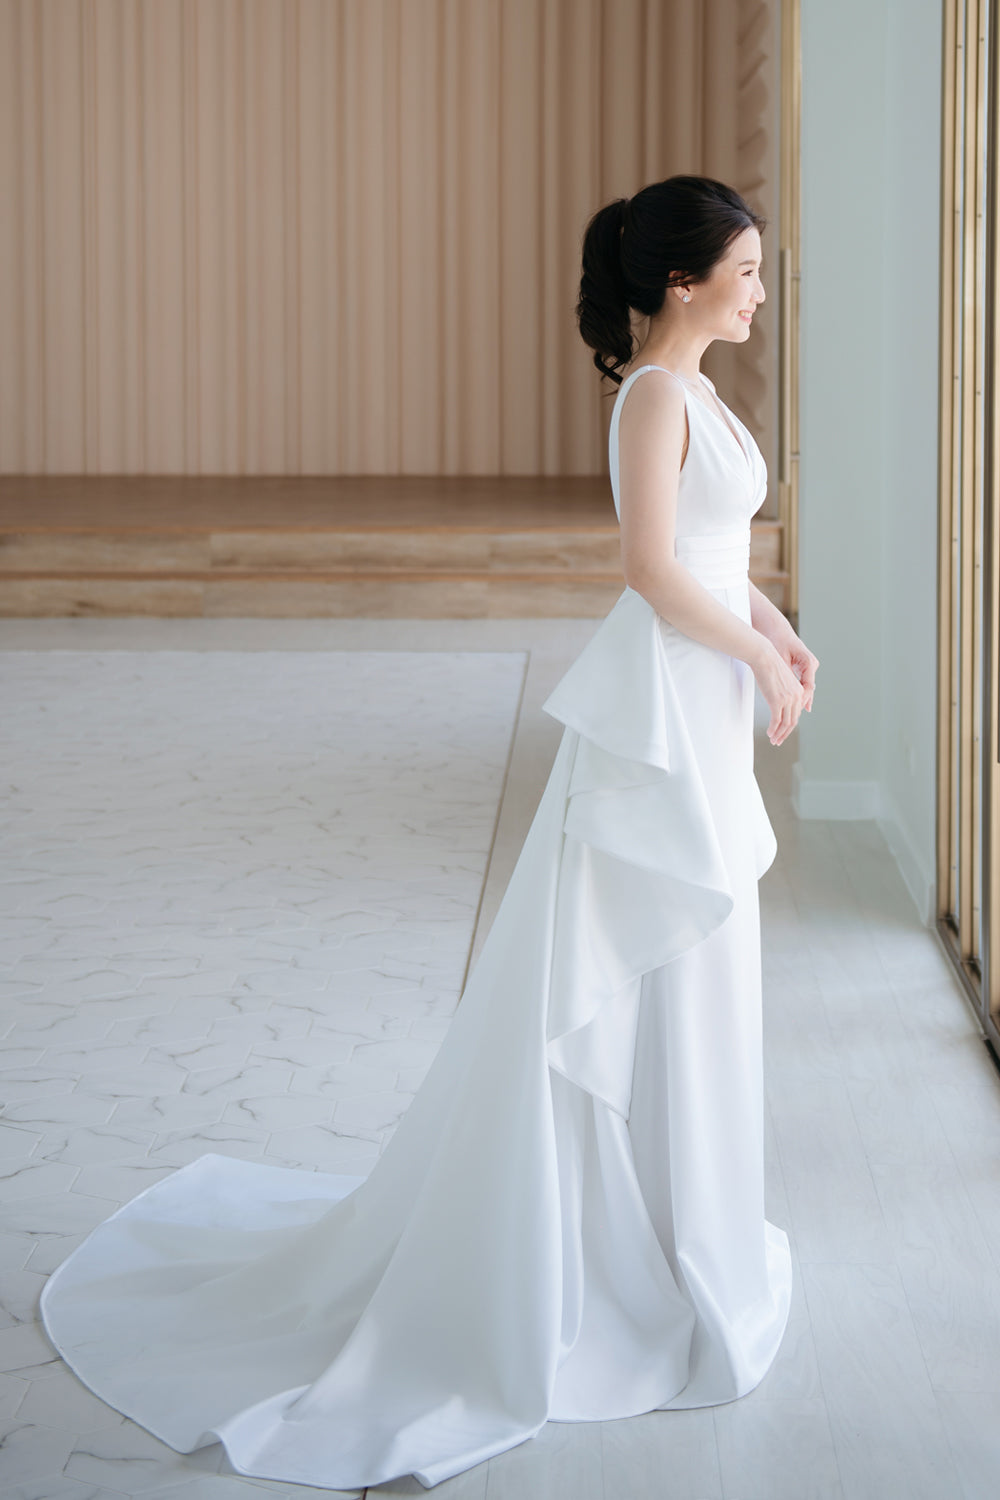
(718, 415)
(723, 479)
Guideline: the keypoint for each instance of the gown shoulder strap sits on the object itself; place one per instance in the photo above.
(642, 370)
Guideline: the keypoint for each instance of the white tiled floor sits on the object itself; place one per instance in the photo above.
(192, 979)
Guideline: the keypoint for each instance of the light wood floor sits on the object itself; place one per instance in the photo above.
(883, 1162)
(162, 503)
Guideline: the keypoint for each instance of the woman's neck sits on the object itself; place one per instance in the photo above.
(664, 347)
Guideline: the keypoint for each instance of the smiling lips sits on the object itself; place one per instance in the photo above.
(746, 315)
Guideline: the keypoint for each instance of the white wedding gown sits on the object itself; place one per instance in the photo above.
(569, 1221)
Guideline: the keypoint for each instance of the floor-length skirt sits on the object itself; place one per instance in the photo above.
(569, 1222)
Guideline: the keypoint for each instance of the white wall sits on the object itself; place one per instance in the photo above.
(868, 489)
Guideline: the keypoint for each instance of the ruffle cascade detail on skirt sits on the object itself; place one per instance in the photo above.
(640, 839)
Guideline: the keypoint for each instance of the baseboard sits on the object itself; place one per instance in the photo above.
(917, 878)
(844, 800)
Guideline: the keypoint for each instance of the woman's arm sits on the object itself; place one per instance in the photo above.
(768, 619)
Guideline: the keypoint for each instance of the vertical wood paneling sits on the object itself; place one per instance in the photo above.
(14, 312)
(550, 324)
(520, 238)
(621, 42)
(266, 168)
(756, 166)
(684, 65)
(213, 328)
(580, 440)
(314, 102)
(106, 262)
(367, 207)
(163, 197)
(61, 251)
(123, 246)
(477, 217)
(90, 94)
(450, 156)
(719, 132)
(248, 229)
(421, 294)
(291, 182)
(341, 247)
(657, 27)
(193, 268)
(339, 236)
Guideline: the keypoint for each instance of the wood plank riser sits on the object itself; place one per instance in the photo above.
(344, 598)
(348, 596)
(122, 553)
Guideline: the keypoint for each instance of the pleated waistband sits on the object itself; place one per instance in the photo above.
(719, 559)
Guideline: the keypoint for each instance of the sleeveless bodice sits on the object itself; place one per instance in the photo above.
(722, 484)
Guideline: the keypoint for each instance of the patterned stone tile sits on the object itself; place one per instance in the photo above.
(58, 1213)
(32, 1452)
(220, 932)
(24, 1347)
(26, 1180)
(279, 1112)
(68, 1109)
(19, 1293)
(177, 1148)
(121, 1181)
(132, 1462)
(374, 1112)
(170, 1112)
(86, 1147)
(350, 1149)
(50, 1250)
(15, 1250)
(62, 1401)
(12, 1392)
(59, 1488)
(16, 1144)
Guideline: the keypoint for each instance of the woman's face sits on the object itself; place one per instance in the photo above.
(726, 302)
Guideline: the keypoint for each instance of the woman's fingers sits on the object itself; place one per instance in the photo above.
(781, 727)
(808, 664)
(786, 717)
(786, 679)
(805, 663)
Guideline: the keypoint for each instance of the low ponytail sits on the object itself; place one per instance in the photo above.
(603, 307)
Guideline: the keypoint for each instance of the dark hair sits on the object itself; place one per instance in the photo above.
(634, 248)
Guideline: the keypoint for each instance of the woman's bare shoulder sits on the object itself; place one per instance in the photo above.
(659, 394)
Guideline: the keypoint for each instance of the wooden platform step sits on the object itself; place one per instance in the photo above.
(412, 547)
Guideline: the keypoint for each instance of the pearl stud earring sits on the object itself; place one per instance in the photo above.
(686, 297)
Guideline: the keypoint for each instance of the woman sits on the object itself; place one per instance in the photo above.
(568, 1223)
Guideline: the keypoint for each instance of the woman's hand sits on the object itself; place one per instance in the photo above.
(802, 662)
(785, 695)
(769, 621)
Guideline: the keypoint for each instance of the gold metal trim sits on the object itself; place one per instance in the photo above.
(945, 883)
(968, 773)
(790, 260)
(990, 560)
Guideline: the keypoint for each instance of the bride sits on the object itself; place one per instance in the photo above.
(568, 1223)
